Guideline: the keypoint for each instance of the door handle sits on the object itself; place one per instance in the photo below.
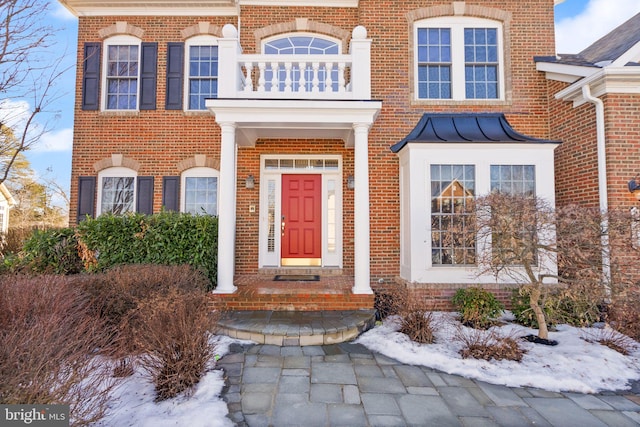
(283, 225)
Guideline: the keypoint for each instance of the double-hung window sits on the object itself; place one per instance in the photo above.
(122, 72)
(200, 195)
(201, 71)
(459, 58)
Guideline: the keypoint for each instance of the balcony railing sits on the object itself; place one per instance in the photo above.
(346, 76)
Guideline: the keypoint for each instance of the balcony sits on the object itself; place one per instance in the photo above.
(293, 77)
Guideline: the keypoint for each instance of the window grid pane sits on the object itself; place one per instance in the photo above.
(201, 195)
(515, 180)
(434, 63)
(117, 195)
(453, 241)
(481, 63)
(122, 77)
(271, 213)
(203, 75)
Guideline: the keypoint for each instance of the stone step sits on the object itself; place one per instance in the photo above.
(296, 328)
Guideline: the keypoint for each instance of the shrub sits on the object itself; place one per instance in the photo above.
(612, 339)
(52, 251)
(390, 301)
(418, 325)
(115, 293)
(47, 340)
(623, 314)
(166, 238)
(478, 308)
(488, 345)
(172, 330)
(573, 305)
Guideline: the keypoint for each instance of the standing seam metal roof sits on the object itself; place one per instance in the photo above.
(465, 128)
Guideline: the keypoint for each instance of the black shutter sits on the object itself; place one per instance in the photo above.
(171, 193)
(91, 76)
(86, 197)
(148, 76)
(175, 71)
(144, 204)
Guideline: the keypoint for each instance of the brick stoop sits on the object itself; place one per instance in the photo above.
(261, 292)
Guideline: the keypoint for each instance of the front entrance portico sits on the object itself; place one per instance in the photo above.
(244, 121)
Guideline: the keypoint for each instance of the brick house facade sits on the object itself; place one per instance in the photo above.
(300, 126)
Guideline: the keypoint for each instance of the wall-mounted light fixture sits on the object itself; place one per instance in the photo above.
(634, 187)
(250, 182)
(350, 182)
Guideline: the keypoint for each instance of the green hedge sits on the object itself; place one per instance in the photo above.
(48, 251)
(166, 238)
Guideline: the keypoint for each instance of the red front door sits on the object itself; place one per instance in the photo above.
(301, 225)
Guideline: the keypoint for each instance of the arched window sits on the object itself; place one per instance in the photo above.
(116, 190)
(302, 44)
(200, 194)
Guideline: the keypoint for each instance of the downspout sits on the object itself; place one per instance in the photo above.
(602, 186)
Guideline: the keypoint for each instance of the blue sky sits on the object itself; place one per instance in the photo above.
(578, 24)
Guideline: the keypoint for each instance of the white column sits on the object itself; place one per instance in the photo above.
(227, 210)
(361, 243)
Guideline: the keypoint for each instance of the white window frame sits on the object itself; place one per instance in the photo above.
(329, 258)
(303, 34)
(120, 40)
(195, 41)
(117, 172)
(198, 172)
(457, 24)
(415, 201)
(334, 71)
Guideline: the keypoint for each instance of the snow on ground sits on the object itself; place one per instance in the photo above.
(132, 401)
(572, 365)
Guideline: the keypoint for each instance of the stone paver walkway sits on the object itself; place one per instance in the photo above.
(348, 385)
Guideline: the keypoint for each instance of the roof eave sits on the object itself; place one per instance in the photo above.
(607, 80)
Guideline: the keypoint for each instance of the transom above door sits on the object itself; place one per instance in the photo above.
(300, 211)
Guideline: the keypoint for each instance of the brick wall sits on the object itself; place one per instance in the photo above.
(160, 139)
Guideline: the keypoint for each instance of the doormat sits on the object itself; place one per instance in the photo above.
(296, 278)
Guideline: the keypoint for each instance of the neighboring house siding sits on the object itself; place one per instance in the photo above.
(160, 139)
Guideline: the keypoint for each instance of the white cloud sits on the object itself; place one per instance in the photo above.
(14, 114)
(58, 11)
(597, 19)
(58, 140)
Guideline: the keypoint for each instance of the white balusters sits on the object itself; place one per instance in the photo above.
(275, 69)
(315, 81)
(248, 81)
(302, 83)
(328, 83)
(287, 80)
(262, 66)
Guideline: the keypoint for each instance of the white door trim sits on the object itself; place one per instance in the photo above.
(330, 168)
